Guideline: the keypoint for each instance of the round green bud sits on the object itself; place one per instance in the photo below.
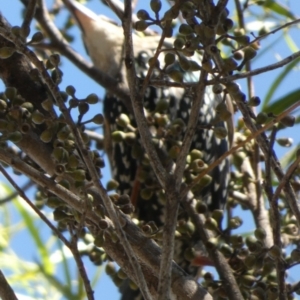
(254, 101)
(176, 75)
(15, 136)
(112, 185)
(83, 108)
(99, 240)
(179, 43)
(169, 59)
(70, 90)
(11, 93)
(118, 136)
(155, 5)
(6, 52)
(110, 269)
(185, 29)
(196, 154)
(78, 175)
(54, 59)
(16, 30)
(98, 119)
(288, 121)
(211, 224)
(123, 120)
(3, 105)
(47, 105)
(261, 118)
(141, 25)
(285, 142)
(46, 136)
(275, 252)
(249, 53)
(37, 38)
(146, 193)
(260, 234)
(142, 14)
(73, 162)
(92, 99)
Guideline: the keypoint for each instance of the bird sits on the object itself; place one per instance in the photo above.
(167, 111)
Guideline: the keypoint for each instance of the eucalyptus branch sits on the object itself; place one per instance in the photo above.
(6, 292)
(263, 36)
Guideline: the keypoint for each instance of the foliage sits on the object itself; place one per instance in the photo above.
(53, 137)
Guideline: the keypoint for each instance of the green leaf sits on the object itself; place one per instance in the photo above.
(283, 103)
(277, 82)
(33, 229)
(279, 9)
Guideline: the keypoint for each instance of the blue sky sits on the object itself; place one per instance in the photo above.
(84, 86)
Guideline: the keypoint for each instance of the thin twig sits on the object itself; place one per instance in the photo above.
(79, 262)
(29, 14)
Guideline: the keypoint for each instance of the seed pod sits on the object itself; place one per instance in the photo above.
(275, 252)
(3, 105)
(98, 119)
(141, 25)
(179, 43)
(238, 55)
(295, 255)
(235, 222)
(260, 234)
(6, 52)
(11, 93)
(142, 14)
(285, 142)
(118, 136)
(169, 59)
(78, 175)
(232, 87)
(92, 99)
(207, 66)
(16, 30)
(15, 136)
(189, 254)
(212, 244)
(25, 31)
(47, 135)
(254, 101)
(201, 208)
(261, 118)
(185, 29)
(218, 215)
(60, 215)
(36, 38)
(155, 5)
(146, 193)
(123, 120)
(249, 53)
(226, 250)
(112, 185)
(83, 108)
(99, 240)
(110, 269)
(176, 75)
(211, 224)
(288, 121)
(70, 90)
(73, 162)
(229, 64)
(196, 154)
